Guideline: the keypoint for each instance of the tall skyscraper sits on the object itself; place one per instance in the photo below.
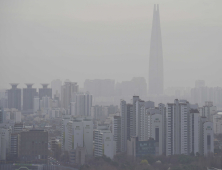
(28, 96)
(156, 56)
(14, 97)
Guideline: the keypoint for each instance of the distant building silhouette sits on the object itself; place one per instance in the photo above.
(156, 56)
(28, 95)
(14, 97)
(45, 91)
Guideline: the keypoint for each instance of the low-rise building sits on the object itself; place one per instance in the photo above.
(138, 148)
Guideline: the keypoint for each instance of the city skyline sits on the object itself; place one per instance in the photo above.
(118, 84)
(191, 33)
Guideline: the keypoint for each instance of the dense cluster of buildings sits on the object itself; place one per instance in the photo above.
(82, 123)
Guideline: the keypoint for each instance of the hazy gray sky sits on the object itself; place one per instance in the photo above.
(42, 40)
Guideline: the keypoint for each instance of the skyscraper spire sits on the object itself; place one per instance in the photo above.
(156, 56)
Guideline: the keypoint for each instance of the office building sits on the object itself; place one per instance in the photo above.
(206, 136)
(156, 132)
(14, 97)
(156, 83)
(136, 148)
(45, 91)
(33, 146)
(28, 97)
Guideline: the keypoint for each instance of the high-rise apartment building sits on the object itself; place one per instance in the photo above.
(14, 97)
(88, 136)
(68, 94)
(83, 104)
(156, 83)
(182, 128)
(194, 131)
(125, 112)
(116, 130)
(177, 128)
(104, 143)
(65, 137)
(77, 133)
(28, 96)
